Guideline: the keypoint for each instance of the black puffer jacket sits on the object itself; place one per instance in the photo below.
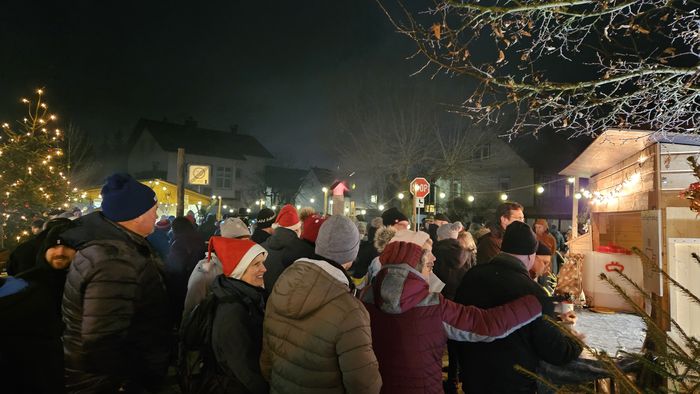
(115, 309)
(237, 339)
(488, 367)
(283, 248)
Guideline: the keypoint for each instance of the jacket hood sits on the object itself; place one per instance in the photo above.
(281, 238)
(398, 288)
(306, 286)
(223, 286)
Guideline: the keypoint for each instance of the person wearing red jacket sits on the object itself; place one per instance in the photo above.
(411, 325)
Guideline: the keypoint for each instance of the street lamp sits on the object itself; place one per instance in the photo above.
(381, 207)
(504, 197)
(400, 196)
(313, 200)
(325, 199)
(470, 198)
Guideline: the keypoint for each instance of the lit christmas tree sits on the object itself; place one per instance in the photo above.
(33, 176)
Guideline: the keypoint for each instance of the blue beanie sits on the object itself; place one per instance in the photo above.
(124, 198)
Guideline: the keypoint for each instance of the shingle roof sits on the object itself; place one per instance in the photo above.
(282, 178)
(200, 141)
(325, 177)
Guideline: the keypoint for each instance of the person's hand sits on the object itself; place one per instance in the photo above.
(568, 317)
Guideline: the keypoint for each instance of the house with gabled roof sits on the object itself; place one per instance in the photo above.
(237, 161)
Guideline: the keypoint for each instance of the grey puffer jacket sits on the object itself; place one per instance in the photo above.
(115, 308)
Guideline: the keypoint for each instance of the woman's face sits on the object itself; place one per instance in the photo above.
(253, 275)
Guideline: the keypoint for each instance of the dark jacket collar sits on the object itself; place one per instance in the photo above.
(510, 262)
(338, 266)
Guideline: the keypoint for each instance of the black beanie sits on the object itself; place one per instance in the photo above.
(442, 216)
(519, 239)
(392, 216)
(265, 218)
(124, 198)
(543, 250)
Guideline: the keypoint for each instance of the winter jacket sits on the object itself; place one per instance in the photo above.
(259, 236)
(411, 325)
(25, 255)
(365, 255)
(31, 355)
(488, 367)
(160, 243)
(186, 250)
(283, 248)
(316, 335)
(200, 281)
(450, 261)
(237, 339)
(488, 246)
(115, 309)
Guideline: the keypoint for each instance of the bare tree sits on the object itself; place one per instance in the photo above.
(390, 135)
(577, 65)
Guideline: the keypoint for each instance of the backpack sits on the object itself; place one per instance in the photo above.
(195, 354)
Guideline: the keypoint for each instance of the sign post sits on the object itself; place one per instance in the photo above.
(420, 188)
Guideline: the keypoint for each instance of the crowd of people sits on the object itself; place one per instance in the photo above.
(303, 303)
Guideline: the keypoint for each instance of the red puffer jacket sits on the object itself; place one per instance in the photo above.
(410, 325)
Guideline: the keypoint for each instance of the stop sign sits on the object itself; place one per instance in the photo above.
(420, 187)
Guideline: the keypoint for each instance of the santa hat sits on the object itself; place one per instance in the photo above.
(235, 254)
(405, 247)
(311, 226)
(288, 218)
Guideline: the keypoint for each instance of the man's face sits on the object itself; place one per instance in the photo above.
(59, 257)
(542, 265)
(36, 230)
(143, 225)
(515, 214)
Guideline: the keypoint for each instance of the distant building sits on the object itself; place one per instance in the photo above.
(311, 190)
(494, 168)
(237, 161)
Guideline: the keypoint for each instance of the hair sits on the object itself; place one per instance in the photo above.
(503, 210)
(182, 225)
(38, 223)
(466, 241)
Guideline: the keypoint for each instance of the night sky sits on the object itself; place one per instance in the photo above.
(280, 70)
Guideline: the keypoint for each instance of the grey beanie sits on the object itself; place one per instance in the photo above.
(449, 230)
(338, 239)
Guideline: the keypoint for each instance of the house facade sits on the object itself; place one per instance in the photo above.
(236, 161)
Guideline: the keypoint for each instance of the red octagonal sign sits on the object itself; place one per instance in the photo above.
(420, 187)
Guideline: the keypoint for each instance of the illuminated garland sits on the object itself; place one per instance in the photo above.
(33, 175)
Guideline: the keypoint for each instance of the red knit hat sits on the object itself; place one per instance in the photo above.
(235, 254)
(311, 226)
(288, 218)
(404, 247)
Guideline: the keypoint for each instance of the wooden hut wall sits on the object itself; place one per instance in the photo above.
(629, 185)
